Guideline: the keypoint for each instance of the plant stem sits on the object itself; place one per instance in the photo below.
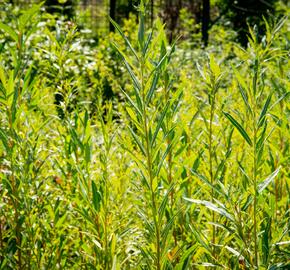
(1, 241)
(150, 172)
(211, 167)
(255, 201)
(255, 165)
(169, 160)
(106, 211)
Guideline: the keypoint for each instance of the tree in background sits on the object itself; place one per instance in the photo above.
(66, 8)
(205, 13)
(242, 13)
(112, 13)
(205, 21)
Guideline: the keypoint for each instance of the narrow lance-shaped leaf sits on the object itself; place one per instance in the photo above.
(240, 79)
(245, 97)
(152, 88)
(163, 204)
(97, 198)
(166, 230)
(200, 238)
(9, 31)
(279, 100)
(131, 102)
(233, 251)
(14, 105)
(161, 61)
(264, 111)
(4, 139)
(168, 148)
(141, 30)
(239, 128)
(132, 75)
(135, 137)
(267, 181)
(184, 261)
(146, 46)
(124, 37)
(215, 69)
(207, 182)
(2, 77)
(160, 121)
(212, 206)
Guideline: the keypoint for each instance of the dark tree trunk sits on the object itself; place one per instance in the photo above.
(112, 14)
(205, 21)
(130, 8)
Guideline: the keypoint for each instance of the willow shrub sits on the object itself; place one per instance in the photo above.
(186, 170)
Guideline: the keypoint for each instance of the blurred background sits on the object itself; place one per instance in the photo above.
(189, 19)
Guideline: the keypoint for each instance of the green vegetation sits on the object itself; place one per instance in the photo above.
(129, 152)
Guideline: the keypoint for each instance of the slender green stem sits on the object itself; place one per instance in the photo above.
(106, 201)
(255, 200)
(153, 199)
(169, 160)
(1, 241)
(106, 216)
(212, 108)
(255, 165)
(148, 150)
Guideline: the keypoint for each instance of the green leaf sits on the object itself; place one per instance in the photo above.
(199, 238)
(60, 221)
(141, 30)
(133, 76)
(268, 180)
(166, 230)
(135, 137)
(207, 182)
(245, 97)
(168, 148)
(97, 197)
(14, 105)
(233, 251)
(161, 61)
(183, 264)
(160, 121)
(163, 204)
(4, 139)
(3, 77)
(264, 111)
(8, 30)
(214, 67)
(84, 192)
(87, 152)
(153, 87)
(212, 207)
(239, 128)
(240, 79)
(279, 100)
(124, 37)
(131, 102)
(149, 38)
(27, 15)
(266, 238)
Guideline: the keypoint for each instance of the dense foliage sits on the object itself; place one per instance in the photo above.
(128, 152)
